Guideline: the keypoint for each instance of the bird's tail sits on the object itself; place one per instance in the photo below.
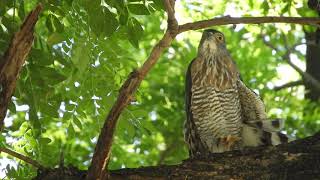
(263, 132)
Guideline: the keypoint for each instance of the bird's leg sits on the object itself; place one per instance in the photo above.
(229, 141)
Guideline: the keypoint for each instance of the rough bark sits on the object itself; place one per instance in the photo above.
(13, 59)
(299, 159)
(313, 55)
(313, 63)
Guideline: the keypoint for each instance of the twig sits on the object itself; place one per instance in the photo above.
(289, 85)
(247, 20)
(267, 43)
(22, 157)
(98, 167)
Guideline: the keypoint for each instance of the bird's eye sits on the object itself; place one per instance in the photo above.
(220, 38)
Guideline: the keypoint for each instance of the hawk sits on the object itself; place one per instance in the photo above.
(222, 113)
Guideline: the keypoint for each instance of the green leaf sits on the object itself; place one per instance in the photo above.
(51, 75)
(159, 4)
(286, 8)
(111, 23)
(55, 38)
(21, 10)
(49, 23)
(44, 141)
(40, 57)
(124, 15)
(2, 8)
(265, 7)
(80, 55)
(135, 32)
(251, 3)
(91, 5)
(34, 118)
(57, 24)
(96, 22)
(12, 107)
(54, 24)
(50, 110)
(103, 22)
(2, 141)
(139, 9)
(71, 131)
(77, 122)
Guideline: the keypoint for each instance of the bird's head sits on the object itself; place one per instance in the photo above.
(212, 41)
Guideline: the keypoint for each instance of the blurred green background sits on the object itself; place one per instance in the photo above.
(85, 49)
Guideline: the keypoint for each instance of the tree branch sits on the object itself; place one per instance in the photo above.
(289, 85)
(22, 157)
(13, 59)
(98, 167)
(307, 78)
(172, 21)
(247, 20)
(286, 161)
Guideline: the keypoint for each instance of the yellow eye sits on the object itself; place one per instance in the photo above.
(220, 38)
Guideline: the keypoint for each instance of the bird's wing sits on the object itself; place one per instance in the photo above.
(258, 129)
(253, 108)
(190, 131)
(188, 95)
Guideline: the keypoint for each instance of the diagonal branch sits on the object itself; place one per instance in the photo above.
(98, 167)
(13, 59)
(247, 20)
(22, 157)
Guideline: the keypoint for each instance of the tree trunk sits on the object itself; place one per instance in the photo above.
(313, 56)
(299, 160)
(13, 60)
(313, 63)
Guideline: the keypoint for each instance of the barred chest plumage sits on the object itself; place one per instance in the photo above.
(215, 103)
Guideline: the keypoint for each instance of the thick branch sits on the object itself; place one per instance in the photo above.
(13, 59)
(297, 160)
(286, 161)
(101, 155)
(289, 85)
(22, 157)
(247, 20)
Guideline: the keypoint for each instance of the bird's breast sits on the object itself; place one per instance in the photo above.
(217, 73)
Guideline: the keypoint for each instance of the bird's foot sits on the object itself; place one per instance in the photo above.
(229, 141)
